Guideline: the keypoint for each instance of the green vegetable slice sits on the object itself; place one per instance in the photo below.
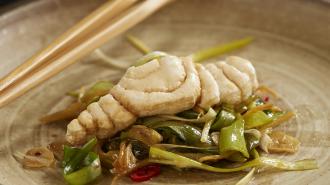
(96, 91)
(254, 153)
(306, 164)
(220, 49)
(231, 139)
(149, 57)
(72, 111)
(138, 44)
(247, 178)
(142, 133)
(87, 174)
(251, 141)
(168, 158)
(189, 114)
(69, 153)
(256, 101)
(223, 119)
(210, 115)
(189, 134)
(188, 149)
(75, 162)
(257, 119)
(236, 157)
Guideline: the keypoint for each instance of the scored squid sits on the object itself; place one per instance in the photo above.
(167, 85)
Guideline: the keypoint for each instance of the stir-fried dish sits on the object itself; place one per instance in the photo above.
(171, 111)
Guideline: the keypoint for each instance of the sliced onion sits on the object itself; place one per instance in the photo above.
(206, 130)
(265, 142)
(215, 137)
(38, 157)
(247, 178)
(211, 158)
(283, 143)
(256, 133)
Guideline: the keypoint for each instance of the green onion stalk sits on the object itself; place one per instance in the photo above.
(81, 165)
(160, 156)
(197, 57)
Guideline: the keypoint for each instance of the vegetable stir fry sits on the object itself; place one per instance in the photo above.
(200, 137)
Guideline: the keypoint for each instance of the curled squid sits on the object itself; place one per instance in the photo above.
(165, 85)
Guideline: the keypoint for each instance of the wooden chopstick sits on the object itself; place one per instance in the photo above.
(68, 39)
(57, 63)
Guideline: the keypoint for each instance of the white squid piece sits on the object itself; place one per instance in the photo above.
(210, 94)
(168, 85)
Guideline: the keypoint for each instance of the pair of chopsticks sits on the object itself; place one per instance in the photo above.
(109, 20)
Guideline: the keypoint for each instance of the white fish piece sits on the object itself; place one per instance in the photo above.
(210, 94)
(143, 103)
(76, 133)
(168, 85)
(104, 125)
(244, 66)
(148, 78)
(242, 80)
(86, 120)
(120, 117)
(143, 70)
(229, 92)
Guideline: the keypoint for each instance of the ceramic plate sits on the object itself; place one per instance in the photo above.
(291, 53)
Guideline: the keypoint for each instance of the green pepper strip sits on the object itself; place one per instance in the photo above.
(220, 49)
(164, 157)
(231, 139)
(76, 160)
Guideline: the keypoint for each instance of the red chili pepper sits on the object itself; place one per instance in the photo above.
(145, 173)
(266, 99)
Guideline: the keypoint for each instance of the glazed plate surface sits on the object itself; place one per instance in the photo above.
(291, 53)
